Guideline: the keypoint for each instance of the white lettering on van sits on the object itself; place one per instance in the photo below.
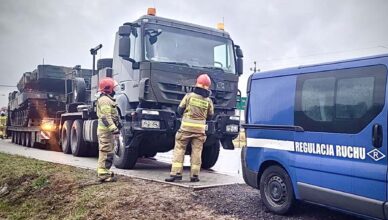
(343, 151)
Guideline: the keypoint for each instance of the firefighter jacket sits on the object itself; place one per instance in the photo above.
(197, 108)
(108, 117)
(3, 121)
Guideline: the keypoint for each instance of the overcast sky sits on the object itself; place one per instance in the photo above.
(276, 33)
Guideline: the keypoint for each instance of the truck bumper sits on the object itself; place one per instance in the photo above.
(223, 127)
(250, 176)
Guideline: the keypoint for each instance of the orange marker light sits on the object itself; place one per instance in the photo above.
(220, 26)
(151, 11)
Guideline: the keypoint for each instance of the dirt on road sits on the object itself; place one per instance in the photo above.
(32, 189)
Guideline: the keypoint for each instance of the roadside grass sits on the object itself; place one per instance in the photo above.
(42, 190)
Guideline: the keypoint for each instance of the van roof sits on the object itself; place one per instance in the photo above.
(342, 64)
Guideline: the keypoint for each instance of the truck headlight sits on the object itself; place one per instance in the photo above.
(149, 112)
(234, 118)
(232, 128)
(150, 124)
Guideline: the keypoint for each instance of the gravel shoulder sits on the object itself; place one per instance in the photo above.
(32, 189)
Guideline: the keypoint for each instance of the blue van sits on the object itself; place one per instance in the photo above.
(319, 134)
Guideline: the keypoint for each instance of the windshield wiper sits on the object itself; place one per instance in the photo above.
(177, 63)
(212, 68)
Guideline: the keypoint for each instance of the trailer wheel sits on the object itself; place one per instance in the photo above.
(210, 155)
(276, 190)
(13, 137)
(17, 137)
(77, 143)
(65, 136)
(23, 138)
(28, 139)
(124, 157)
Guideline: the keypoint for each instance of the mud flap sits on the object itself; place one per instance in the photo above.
(227, 143)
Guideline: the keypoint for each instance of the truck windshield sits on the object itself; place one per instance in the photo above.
(178, 46)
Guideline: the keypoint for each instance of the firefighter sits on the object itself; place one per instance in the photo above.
(108, 127)
(3, 124)
(196, 107)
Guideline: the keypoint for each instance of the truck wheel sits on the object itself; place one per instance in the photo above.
(210, 155)
(77, 143)
(124, 158)
(150, 154)
(276, 190)
(65, 136)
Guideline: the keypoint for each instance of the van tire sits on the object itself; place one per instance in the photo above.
(124, 157)
(65, 136)
(275, 178)
(210, 155)
(77, 144)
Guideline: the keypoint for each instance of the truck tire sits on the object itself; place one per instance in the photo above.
(65, 136)
(102, 63)
(77, 143)
(210, 155)
(124, 158)
(79, 90)
(276, 190)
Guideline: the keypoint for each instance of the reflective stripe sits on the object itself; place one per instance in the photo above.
(195, 167)
(102, 171)
(198, 103)
(189, 124)
(112, 127)
(177, 165)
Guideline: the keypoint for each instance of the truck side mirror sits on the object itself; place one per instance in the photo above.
(124, 47)
(125, 30)
(240, 66)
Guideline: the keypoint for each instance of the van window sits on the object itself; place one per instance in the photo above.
(340, 101)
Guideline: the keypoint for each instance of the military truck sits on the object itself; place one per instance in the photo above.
(156, 62)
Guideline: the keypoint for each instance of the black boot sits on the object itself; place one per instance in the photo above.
(194, 178)
(173, 178)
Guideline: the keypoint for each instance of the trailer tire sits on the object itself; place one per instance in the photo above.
(210, 155)
(28, 139)
(13, 137)
(23, 138)
(65, 136)
(124, 157)
(276, 190)
(77, 143)
(17, 137)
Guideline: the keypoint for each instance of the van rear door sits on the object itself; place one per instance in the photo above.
(340, 158)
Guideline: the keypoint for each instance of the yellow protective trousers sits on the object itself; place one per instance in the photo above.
(182, 139)
(105, 147)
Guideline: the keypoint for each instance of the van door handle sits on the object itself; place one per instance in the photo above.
(377, 136)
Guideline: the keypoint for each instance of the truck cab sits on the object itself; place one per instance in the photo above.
(156, 62)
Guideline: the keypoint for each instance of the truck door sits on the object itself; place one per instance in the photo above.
(340, 158)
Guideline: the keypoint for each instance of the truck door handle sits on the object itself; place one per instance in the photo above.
(377, 136)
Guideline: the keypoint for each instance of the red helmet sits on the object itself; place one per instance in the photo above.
(203, 81)
(106, 85)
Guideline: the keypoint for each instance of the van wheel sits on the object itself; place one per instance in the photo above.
(65, 136)
(276, 190)
(124, 158)
(210, 155)
(77, 143)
